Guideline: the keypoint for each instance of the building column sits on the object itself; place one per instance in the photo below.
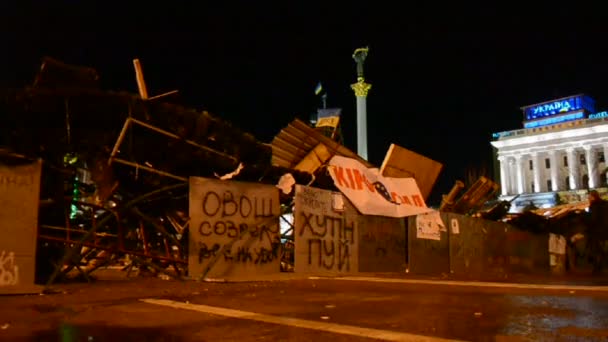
(591, 158)
(504, 175)
(519, 164)
(555, 181)
(605, 160)
(573, 168)
(512, 175)
(536, 171)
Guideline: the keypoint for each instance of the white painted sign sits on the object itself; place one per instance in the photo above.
(373, 194)
(455, 226)
(557, 244)
(429, 226)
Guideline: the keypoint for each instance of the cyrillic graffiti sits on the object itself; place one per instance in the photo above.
(16, 180)
(261, 255)
(330, 245)
(232, 230)
(9, 271)
(227, 206)
(236, 227)
(326, 253)
(321, 225)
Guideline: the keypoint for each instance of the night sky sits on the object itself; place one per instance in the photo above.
(444, 79)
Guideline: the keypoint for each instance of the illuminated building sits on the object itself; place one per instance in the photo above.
(557, 157)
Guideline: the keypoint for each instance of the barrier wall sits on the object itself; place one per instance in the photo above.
(331, 237)
(235, 232)
(427, 245)
(326, 232)
(234, 229)
(19, 198)
(475, 247)
(382, 244)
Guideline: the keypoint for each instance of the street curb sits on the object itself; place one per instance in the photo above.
(471, 283)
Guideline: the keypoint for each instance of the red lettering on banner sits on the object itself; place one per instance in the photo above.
(360, 179)
(406, 200)
(354, 179)
(418, 201)
(349, 173)
(396, 198)
(339, 172)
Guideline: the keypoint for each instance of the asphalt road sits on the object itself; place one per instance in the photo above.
(152, 309)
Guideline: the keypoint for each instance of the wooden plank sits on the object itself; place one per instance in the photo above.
(400, 162)
(302, 139)
(281, 158)
(290, 144)
(299, 139)
(139, 76)
(314, 159)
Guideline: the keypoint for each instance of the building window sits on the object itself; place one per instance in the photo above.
(565, 160)
(549, 185)
(567, 182)
(531, 167)
(600, 157)
(582, 157)
(586, 181)
(547, 163)
(603, 179)
(531, 186)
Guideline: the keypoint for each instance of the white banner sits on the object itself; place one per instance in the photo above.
(373, 194)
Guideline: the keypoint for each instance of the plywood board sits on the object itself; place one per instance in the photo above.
(234, 229)
(314, 159)
(326, 237)
(19, 199)
(400, 162)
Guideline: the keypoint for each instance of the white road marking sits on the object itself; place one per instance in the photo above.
(471, 283)
(299, 323)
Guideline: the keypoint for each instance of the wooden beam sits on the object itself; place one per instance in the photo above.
(139, 75)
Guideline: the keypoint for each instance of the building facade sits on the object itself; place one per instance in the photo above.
(560, 151)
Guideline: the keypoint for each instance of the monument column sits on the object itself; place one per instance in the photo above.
(361, 89)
